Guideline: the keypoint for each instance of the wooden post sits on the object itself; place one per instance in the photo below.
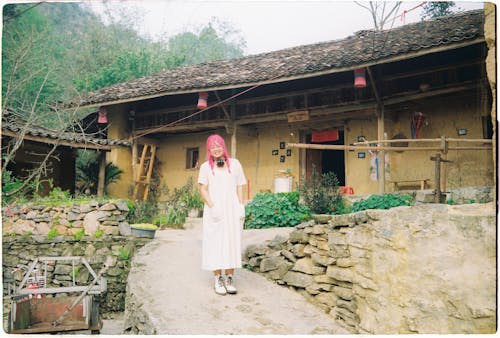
(381, 153)
(102, 174)
(233, 141)
(134, 157)
(437, 177)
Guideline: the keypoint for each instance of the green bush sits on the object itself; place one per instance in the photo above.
(79, 234)
(385, 201)
(321, 192)
(268, 210)
(143, 212)
(52, 233)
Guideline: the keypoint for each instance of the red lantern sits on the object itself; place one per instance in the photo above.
(202, 100)
(102, 115)
(359, 78)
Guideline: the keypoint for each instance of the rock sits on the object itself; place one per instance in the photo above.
(41, 229)
(348, 305)
(298, 250)
(63, 269)
(85, 208)
(72, 216)
(277, 242)
(124, 229)
(297, 279)
(344, 262)
(255, 250)
(340, 274)
(321, 218)
(108, 207)
(327, 298)
(270, 263)
(280, 272)
(322, 260)
(304, 265)
(299, 236)
(91, 223)
(288, 255)
(344, 293)
(255, 261)
(122, 205)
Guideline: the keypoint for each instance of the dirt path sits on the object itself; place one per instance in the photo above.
(181, 299)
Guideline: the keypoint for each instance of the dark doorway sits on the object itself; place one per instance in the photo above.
(327, 160)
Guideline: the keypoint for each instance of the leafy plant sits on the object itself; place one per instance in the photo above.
(124, 254)
(10, 183)
(57, 194)
(268, 210)
(143, 212)
(52, 233)
(385, 201)
(321, 192)
(189, 195)
(75, 271)
(173, 218)
(98, 233)
(87, 172)
(79, 234)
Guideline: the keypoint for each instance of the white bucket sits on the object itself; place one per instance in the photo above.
(283, 184)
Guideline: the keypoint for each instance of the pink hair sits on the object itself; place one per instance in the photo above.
(219, 140)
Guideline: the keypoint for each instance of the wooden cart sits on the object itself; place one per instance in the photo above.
(36, 308)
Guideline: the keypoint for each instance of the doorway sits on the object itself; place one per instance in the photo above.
(326, 160)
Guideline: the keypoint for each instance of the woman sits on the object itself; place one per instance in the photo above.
(221, 182)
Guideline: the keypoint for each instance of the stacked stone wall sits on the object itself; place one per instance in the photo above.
(420, 269)
(27, 235)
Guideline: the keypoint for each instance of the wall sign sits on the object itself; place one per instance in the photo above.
(361, 154)
(275, 152)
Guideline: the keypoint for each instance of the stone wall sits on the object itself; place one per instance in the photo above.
(421, 269)
(105, 233)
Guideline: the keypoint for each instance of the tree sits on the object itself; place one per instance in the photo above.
(435, 9)
(382, 12)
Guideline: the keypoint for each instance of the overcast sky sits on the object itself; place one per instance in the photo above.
(265, 25)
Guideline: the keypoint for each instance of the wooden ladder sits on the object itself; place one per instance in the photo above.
(144, 171)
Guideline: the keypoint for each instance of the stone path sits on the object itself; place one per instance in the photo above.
(180, 297)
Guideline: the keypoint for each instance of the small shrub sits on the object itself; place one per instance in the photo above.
(52, 233)
(98, 233)
(385, 201)
(57, 194)
(321, 192)
(75, 271)
(275, 210)
(124, 254)
(79, 234)
(143, 212)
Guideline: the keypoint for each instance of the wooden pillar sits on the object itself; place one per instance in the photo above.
(102, 174)
(381, 153)
(134, 157)
(233, 141)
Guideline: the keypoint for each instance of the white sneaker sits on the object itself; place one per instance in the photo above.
(219, 285)
(229, 283)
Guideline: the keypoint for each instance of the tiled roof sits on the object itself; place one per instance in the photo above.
(14, 126)
(362, 48)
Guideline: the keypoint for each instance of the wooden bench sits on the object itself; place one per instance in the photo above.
(423, 182)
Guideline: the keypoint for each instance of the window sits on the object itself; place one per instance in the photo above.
(192, 155)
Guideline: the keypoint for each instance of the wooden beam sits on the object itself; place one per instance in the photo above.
(347, 147)
(58, 142)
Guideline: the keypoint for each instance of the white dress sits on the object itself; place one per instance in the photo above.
(222, 224)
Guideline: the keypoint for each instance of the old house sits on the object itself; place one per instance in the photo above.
(423, 87)
(56, 149)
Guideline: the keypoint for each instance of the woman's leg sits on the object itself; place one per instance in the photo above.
(229, 282)
(219, 286)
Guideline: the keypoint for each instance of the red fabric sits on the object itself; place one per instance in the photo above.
(325, 136)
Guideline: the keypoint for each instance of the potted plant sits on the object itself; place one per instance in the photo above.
(147, 230)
